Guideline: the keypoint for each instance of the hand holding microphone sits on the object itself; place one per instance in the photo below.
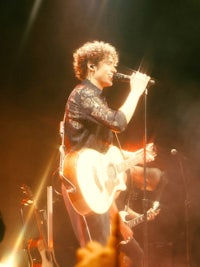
(138, 83)
(120, 77)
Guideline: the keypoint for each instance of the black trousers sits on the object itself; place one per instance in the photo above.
(94, 227)
(133, 251)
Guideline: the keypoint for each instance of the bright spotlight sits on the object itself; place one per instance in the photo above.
(8, 263)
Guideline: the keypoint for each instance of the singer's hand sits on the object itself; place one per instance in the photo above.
(138, 82)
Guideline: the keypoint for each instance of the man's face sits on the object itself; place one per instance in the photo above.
(103, 74)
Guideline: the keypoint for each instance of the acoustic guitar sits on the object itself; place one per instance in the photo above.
(94, 178)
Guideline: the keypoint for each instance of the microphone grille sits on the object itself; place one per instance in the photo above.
(121, 77)
(174, 151)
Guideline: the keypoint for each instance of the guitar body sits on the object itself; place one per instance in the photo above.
(46, 255)
(95, 177)
(38, 255)
(34, 255)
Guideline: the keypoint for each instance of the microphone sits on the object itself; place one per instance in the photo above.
(126, 78)
(173, 151)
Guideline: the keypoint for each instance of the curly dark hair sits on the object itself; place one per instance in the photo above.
(92, 52)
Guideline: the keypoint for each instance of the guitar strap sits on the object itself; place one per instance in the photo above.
(62, 146)
(62, 149)
(119, 145)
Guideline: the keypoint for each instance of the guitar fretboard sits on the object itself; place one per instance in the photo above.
(130, 162)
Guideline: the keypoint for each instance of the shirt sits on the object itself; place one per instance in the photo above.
(89, 121)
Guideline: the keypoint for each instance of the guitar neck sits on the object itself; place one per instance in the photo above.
(131, 162)
(134, 222)
(140, 218)
(40, 226)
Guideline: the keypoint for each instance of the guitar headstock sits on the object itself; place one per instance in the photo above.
(154, 211)
(28, 200)
(151, 152)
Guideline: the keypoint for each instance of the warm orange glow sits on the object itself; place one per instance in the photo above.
(8, 262)
(13, 256)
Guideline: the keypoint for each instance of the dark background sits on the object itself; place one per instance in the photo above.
(37, 42)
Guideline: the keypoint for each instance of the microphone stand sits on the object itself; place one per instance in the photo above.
(145, 201)
(187, 203)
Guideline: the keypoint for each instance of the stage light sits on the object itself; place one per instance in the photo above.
(8, 262)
